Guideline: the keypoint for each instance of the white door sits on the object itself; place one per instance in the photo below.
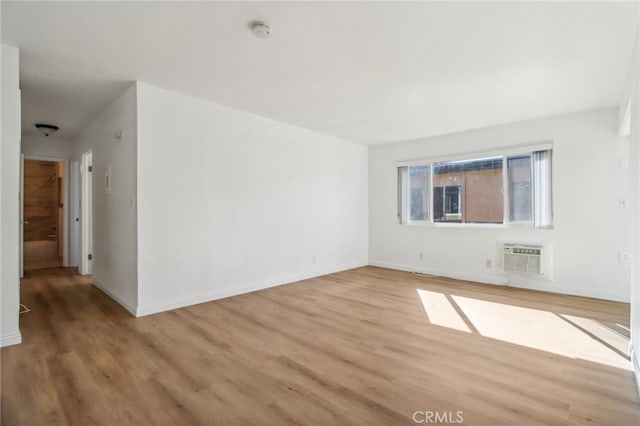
(86, 213)
(74, 212)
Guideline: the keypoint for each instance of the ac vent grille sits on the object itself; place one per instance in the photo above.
(522, 258)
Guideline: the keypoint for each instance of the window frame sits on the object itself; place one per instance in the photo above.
(507, 192)
(404, 196)
(505, 153)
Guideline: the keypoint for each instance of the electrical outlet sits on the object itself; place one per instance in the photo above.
(623, 202)
(313, 259)
(420, 255)
(488, 263)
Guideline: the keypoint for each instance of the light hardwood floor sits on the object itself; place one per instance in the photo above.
(366, 347)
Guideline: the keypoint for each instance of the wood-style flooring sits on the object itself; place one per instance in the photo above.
(41, 255)
(365, 347)
(42, 263)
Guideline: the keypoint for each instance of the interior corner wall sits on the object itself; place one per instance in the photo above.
(10, 219)
(114, 261)
(590, 228)
(632, 92)
(231, 202)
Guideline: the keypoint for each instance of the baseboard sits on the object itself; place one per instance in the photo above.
(10, 339)
(480, 278)
(530, 284)
(115, 297)
(636, 366)
(182, 302)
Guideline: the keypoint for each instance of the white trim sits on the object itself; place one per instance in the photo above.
(21, 218)
(625, 124)
(501, 279)
(74, 213)
(506, 191)
(10, 339)
(403, 196)
(480, 278)
(635, 364)
(445, 224)
(497, 152)
(234, 291)
(86, 213)
(467, 225)
(115, 297)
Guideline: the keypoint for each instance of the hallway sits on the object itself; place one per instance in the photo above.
(43, 211)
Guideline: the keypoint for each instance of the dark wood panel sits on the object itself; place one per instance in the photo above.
(367, 346)
(40, 200)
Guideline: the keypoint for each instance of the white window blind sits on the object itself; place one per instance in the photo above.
(542, 213)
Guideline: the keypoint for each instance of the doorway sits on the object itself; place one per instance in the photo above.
(43, 214)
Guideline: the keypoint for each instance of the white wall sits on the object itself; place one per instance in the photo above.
(51, 146)
(589, 227)
(9, 222)
(632, 87)
(230, 202)
(114, 213)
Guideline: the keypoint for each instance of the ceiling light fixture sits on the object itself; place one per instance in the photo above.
(260, 29)
(47, 129)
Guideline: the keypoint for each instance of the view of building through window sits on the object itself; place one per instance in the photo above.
(473, 191)
(447, 201)
(468, 191)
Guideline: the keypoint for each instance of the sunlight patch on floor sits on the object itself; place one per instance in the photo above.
(560, 334)
(440, 312)
(609, 337)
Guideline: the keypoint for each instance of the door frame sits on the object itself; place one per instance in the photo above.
(74, 212)
(86, 213)
(21, 217)
(66, 241)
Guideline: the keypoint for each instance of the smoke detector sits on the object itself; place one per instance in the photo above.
(260, 29)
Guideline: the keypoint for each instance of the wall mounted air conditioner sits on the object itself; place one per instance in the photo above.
(522, 258)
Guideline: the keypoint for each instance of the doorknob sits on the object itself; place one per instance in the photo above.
(26, 222)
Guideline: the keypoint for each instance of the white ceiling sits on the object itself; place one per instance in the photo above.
(366, 72)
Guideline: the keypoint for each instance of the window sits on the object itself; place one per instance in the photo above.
(452, 200)
(520, 189)
(446, 203)
(413, 189)
(541, 178)
(479, 190)
(472, 191)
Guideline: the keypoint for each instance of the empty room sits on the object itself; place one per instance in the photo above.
(318, 213)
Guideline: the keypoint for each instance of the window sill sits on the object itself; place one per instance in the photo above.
(474, 226)
(416, 224)
(471, 225)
